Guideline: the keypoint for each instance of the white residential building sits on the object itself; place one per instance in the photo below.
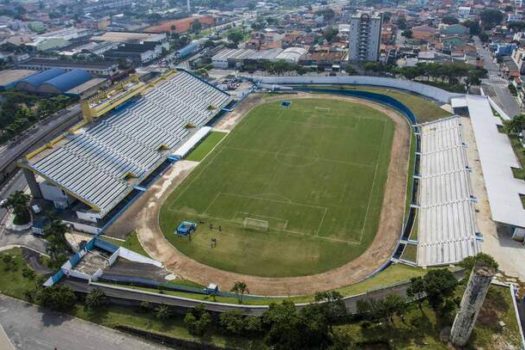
(365, 36)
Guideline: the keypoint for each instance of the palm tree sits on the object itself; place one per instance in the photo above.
(19, 203)
(240, 288)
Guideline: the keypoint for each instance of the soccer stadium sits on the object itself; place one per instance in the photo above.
(296, 187)
(314, 187)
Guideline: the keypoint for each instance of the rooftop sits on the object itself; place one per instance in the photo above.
(120, 37)
(100, 164)
(497, 160)
(10, 76)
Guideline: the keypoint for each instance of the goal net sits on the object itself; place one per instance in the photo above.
(256, 224)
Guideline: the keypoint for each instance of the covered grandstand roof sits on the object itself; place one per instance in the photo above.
(497, 160)
(66, 81)
(37, 79)
(101, 164)
(446, 221)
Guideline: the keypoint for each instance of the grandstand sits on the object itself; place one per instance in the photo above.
(100, 164)
(446, 221)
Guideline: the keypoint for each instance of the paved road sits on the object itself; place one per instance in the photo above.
(17, 183)
(496, 86)
(31, 329)
(38, 135)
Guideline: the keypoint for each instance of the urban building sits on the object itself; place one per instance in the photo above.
(365, 36)
(95, 68)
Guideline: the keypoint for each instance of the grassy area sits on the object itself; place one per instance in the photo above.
(421, 329)
(520, 154)
(115, 316)
(410, 253)
(424, 108)
(132, 243)
(414, 232)
(312, 173)
(12, 280)
(391, 275)
(206, 146)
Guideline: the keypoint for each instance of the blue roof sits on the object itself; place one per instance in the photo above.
(39, 78)
(69, 80)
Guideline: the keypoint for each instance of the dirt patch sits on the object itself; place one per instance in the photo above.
(144, 216)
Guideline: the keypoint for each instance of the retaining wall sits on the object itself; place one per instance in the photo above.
(429, 91)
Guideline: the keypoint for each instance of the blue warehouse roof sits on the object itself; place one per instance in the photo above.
(39, 78)
(69, 80)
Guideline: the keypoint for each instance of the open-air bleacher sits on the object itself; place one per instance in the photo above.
(446, 219)
(95, 163)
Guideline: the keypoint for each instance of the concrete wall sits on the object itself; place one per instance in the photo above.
(52, 193)
(432, 92)
(91, 217)
(132, 256)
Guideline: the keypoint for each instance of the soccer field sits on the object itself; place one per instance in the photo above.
(296, 190)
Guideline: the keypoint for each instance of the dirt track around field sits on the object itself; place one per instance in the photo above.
(143, 215)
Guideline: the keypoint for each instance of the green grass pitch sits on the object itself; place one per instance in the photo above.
(314, 172)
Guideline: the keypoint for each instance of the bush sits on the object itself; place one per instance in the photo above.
(198, 321)
(57, 298)
(162, 312)
(96, 299)
(28, 273)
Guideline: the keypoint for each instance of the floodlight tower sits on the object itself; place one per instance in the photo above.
(188, 6)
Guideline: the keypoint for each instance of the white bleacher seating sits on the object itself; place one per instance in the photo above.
(446, 219)
(93, 164)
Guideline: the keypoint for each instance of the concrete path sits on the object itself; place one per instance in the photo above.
(509, 254)
(28, 328)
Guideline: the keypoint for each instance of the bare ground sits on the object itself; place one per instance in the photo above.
(143, 215)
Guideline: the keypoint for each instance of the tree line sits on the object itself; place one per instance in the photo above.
(18, 111)
(456, 73)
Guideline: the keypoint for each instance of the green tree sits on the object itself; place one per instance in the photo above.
(60, 298)
(18, 202)
(394, 305)
(439, 285)
(240, 288)
(449, 20)
(232, 322)
(401, 23)
(162, 312)
(416, 291)
(407, 34)
(57, 246)
(473, 26)
(285, 327)
(330, 34)
(332, 305)
(196, 26)
(514, 127)
(235, 36)
(198, 321)
(490, 18)
(482, 258)
(95, 300)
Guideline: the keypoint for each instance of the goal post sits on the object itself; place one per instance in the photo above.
(255, 224)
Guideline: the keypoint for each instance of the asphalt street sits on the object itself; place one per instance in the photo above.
(29, 328)
(495, 86)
